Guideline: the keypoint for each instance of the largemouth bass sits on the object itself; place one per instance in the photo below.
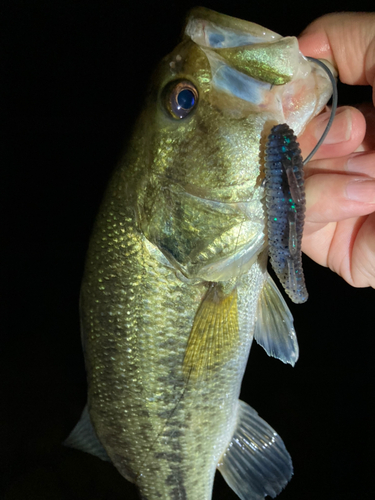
(175, 286)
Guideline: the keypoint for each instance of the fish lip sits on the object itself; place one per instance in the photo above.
(200, 22)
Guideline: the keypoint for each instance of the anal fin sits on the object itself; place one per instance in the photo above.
(83, 438)
(256, 462)
(274, 329)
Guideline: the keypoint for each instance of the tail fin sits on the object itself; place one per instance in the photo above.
(256, 462)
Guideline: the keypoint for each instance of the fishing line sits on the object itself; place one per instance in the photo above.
(333, 109)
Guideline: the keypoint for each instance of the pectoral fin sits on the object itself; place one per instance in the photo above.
(256, 463)
(83, 438)
(274, 325)
(214, 334)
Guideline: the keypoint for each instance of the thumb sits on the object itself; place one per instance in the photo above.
(347, 40)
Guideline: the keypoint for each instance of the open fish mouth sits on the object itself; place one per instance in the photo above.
(239, 54)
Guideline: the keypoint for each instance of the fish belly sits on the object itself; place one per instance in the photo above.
(162, 430)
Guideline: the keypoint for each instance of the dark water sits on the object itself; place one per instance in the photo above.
(73, 78)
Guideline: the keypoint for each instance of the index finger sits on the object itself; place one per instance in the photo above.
(346, 40)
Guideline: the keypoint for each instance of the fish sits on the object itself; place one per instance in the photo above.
(175, 286)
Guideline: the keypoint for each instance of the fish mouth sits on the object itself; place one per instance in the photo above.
(260, 67)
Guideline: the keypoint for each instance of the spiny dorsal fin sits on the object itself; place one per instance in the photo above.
(274, 325)
(214, 333)
(256, 462)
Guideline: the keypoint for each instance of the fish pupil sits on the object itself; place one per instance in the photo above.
(186, 99)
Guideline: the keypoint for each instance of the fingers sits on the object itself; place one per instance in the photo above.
(339, 188)
(368, 112)
(340, 185)
(363, 251)
(335, 197)
(345, 135)
(362, 164)
(347, 40)
(347, 248)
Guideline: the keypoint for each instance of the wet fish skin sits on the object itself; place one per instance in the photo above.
(178, 247)
(171, 432)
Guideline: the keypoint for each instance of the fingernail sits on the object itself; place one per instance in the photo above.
(362, 162)
(361, 190)
(341, 127)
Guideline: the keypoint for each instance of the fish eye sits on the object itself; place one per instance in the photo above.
(180, 98)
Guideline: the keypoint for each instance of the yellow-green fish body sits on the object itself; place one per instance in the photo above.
(175, 285)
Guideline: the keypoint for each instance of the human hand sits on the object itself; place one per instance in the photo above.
(340, 179)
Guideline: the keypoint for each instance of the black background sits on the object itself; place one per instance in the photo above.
(73, 76)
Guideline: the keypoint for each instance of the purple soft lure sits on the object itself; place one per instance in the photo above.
(286, 205)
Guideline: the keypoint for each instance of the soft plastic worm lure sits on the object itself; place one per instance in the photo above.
(285, 201)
